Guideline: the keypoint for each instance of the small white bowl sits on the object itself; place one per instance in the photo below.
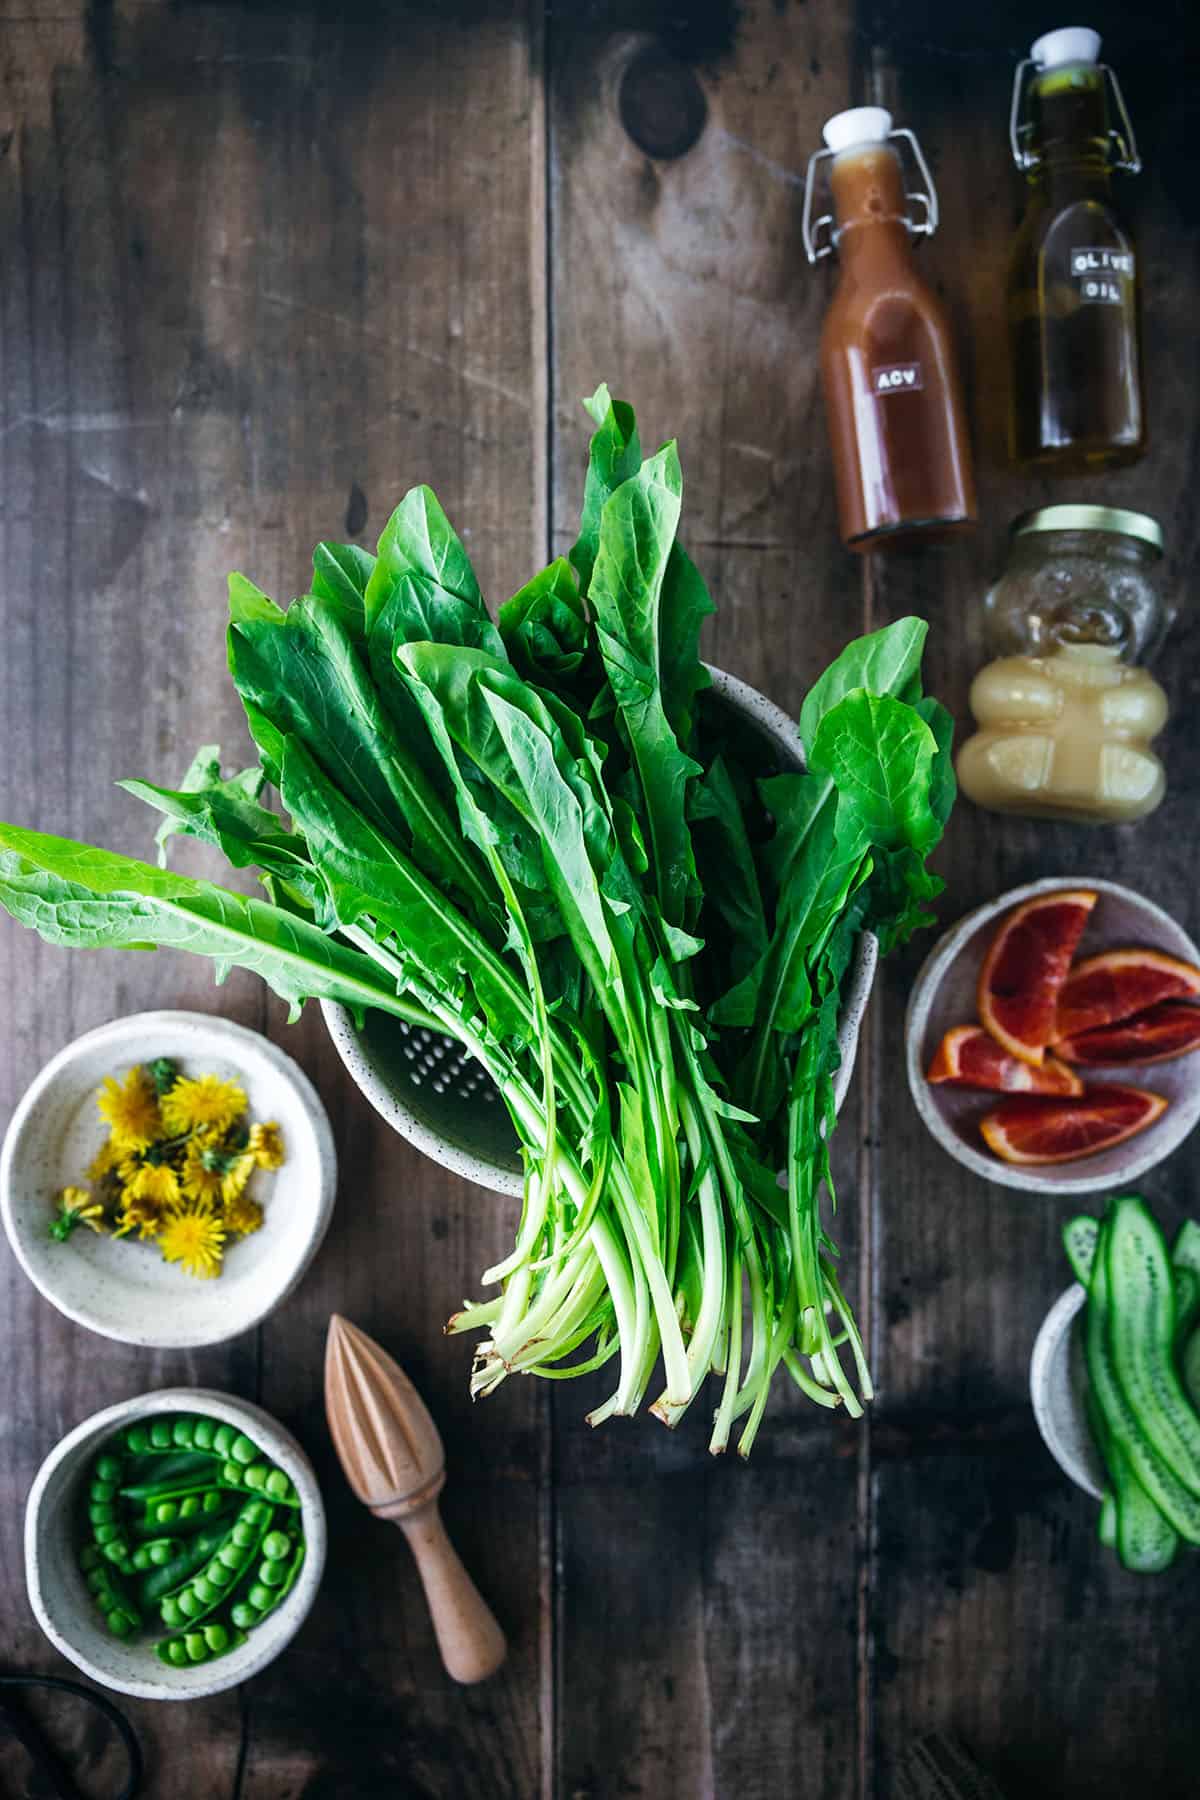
(1058, 1389)
(65, 1610)
(944, 996)
(121, 1288)
(436, 1096)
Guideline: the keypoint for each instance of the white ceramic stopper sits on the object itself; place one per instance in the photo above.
(1070, 44)
(860, 125)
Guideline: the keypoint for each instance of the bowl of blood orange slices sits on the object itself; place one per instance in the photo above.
(1051, 1037)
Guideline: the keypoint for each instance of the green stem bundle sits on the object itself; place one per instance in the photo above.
(545, 841)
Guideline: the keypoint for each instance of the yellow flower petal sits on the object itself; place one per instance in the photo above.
(105, 1162)
(194, 1238)
(205, 1104)
(143, 1216)
(131, 1111)
(156, 1183)
(197, 1182)
(79, 1203)
(242, 1215)
(233, 1182)
(266, 1145)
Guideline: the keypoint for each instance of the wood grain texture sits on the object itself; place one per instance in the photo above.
(257, 282)
(261, 268)
(993, 1612)
(713, 1592)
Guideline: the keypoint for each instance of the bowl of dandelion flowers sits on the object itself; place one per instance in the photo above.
(167, 1179)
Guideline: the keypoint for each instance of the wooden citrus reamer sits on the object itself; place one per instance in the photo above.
(392, 1454)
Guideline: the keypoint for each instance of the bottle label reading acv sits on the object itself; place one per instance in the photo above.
(897, 378)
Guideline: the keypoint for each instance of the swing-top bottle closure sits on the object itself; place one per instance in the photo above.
(1072, 44)
(860, 128)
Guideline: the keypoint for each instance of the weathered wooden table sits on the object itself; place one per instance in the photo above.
(261, 268)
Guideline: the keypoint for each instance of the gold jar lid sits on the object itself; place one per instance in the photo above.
(1092, 518)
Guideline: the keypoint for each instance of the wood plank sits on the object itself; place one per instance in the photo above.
(264, 283)
(994, 1611)
(682, 282)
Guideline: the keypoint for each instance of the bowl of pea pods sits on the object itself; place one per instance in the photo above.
(174, 1543)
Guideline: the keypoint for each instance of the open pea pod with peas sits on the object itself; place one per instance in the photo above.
(186, 1521)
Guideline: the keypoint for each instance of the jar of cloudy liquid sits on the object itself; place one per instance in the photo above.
(1067, 712)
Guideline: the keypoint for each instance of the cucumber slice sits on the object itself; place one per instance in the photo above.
(1079, 1242)
(1177, 1502)
(1141, 1320)
(1145, 1542)
(1187, 1305)
(1107, 1528)
(1191, 1368)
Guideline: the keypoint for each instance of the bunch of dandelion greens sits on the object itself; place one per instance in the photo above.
(175, 1166)
(542, 838)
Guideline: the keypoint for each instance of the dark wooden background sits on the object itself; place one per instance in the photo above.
(262, 266)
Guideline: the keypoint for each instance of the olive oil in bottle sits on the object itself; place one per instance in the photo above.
(1073, 301)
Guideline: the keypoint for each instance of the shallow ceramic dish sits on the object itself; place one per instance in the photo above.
(944, 996)
(64, 1608)
(125, 1290)
(438, 1098)
(1058, 1389)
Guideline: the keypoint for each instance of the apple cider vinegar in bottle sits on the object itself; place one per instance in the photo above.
(1076, 398)
(893, 403)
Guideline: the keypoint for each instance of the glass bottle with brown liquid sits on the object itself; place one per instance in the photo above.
(893, 402)
(1076, 401)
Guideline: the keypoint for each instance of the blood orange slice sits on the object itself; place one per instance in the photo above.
(1033, 1129)
(1118, 983)
(970, 1057)
(1025, 968)
(1169, 1029)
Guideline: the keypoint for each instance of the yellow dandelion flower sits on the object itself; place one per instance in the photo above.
(143, 1216)
(236, 1177)
(198, 1181)
(106, 1162)
(195, 1238)
(76, 1207)
(242, 1215)
(205, 1104)
(156, 1183)
(266, 1145)
(131, 1111)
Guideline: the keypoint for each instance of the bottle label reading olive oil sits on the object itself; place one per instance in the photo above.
(897, 378)
(1102, 275)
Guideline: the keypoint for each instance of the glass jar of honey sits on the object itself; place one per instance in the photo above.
(1067, 712)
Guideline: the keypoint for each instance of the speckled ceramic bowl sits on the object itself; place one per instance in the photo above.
(64, 1608)
(944, 996)
(1058, 1389)
(124, 1289)
(434, 1095)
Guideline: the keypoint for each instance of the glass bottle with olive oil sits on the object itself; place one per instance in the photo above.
(1076, 401)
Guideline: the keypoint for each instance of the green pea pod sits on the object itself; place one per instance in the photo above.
(149, 1527)
(223, 1572)
(268, 1594)
(155, 1553)
(203, 1645)
(108, 1593)
(162, 1581)
(174, 1471)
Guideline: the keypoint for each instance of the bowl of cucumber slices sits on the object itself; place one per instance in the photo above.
(174, 1543)
(1115, 1380)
